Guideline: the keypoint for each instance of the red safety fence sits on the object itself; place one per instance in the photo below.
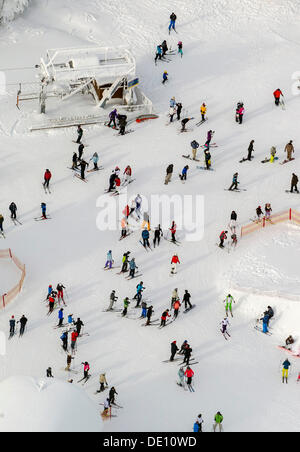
(289, 215)
(12, 293)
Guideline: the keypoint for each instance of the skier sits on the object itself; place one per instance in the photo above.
(80, 151)
(125, 261)
(49, 373)
(184, 123)
(109, 260)
(172, 112)
(175, 297)
(12, 325)
(181, 377)
(159, 53)
(174, 261)
(144, 310)
(228, 304)
(13, 210)
(106, 408)
(60, 317)
(232, 224)
(265, 319)
(224, 326)
(158, 233)
(126, 303)
(218, 422)
(164, 47)
(234, 185)
(164, 317)
(186, 300)
(139, 293)
(239, 111)
(173, 231)
(70, 321)
(183, 174)
(74, 161)
(102, 381)
(146, 221)
(95, 160)
(203, 111)
(176, 307)
(132, 268)
(172, 102)
(47, 177)
(178, 110)
(259, 212)
(60, 293)
(79, 134)
(173, 18)
(83, 165)
(207, 156)
(165, 77)
(86, 368)
(189, 373)
(294, 183)
(51, 300)
(79, 324)
(138, 205)
(169, 172)
(112, 393)
(285, 370)
(44, 207)
(112, 182)
(210, 134)
(174, 350)
(184, 346)
(64, 338)
(127, 175)
(223, 237)
(23, 322)
(268, 210)
(112, 300)
(112, 118)
(289, 149)
(234, 240)
(187, 354)
(179, 46)
(69, 362)
(195, 146)
(277, 93)
(74, 336)
(150, 311)
(1, 224)
(122, 123)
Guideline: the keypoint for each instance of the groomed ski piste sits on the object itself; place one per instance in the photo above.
(232, 51)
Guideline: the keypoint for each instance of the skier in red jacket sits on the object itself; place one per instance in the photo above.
(175, 260)
(189, 373)
(277, 95)
(223, 237)
(47, 177)
(173, 231)
(74, 337)
(164, 317)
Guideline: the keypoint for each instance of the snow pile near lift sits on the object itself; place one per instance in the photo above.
(28, 404)
(9, 9)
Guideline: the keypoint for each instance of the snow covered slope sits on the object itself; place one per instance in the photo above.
(233, 50)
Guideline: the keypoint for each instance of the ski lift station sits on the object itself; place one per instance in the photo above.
(81, 86)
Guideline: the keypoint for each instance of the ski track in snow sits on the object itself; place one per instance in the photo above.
(231, 52)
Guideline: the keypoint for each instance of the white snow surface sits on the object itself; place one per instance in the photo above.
(233, 50)
(10, 8)
(39, 405)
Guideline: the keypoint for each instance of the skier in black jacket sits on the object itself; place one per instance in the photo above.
(174, 350)
(13, 210)
(186, 299)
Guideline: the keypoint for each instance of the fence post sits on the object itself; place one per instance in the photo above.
(3, 300)
(10, 253)
(290, 214)
(264, 222)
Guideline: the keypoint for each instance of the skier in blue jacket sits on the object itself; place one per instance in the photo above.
(145, 237)
(60, 316)
(159, 53)
(165, 77)
(132, 267)
(138, 295)
(183, 174)
(109, 260)
(265, 321)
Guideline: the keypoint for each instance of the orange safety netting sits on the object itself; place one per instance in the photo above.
(288, 215)
(12, 293)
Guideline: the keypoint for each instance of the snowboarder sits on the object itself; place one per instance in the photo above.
(132, 267)
(223, 237)
(112, 393)
(250, 150)
(183, 174)
(60, 317)
(273, 152)
(109, 260)
(179, 47)
(289, 341)
(158, 233)
(112, 300)
(207, 156)
(13, 210)
(195, 146)
(79, 134)
(186, 300)
(169, 172)
(44, 207)
(165, 77)
(164, 317)
(234, 185)
(277, 93)
(174, 350)
(102, 381)
(47, 177)
(173, 18)
(12, 325)
(69, 361)
(184, 123)
(112, 118)
(23, 322)
(289, 149)
(174, 261)
(234, 240)
(126, 303)
(228, 304)
(285, 370)
(218, 422)
(122, 119)
(294, 183)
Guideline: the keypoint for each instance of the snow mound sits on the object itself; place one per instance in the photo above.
(9, 9)
(28, 404)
